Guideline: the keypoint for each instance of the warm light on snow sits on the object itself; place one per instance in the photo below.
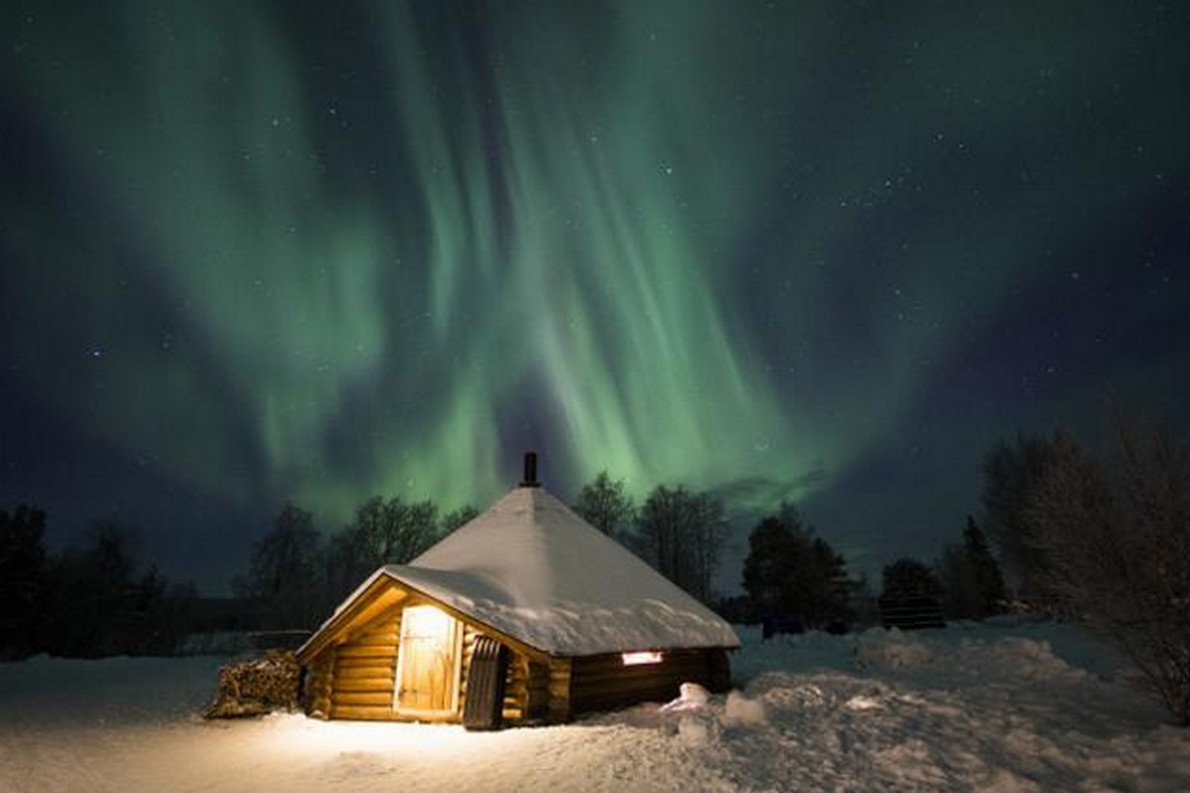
(297, 736)
(638, 658)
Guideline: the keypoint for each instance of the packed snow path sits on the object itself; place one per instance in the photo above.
(1008, 708)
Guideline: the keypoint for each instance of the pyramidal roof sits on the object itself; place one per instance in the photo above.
(534, 570)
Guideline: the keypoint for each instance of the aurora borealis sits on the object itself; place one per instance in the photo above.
(266, 251)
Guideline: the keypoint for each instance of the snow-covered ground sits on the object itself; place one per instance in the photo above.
(1005, 707)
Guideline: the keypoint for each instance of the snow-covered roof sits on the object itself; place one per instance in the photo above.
(535, 571)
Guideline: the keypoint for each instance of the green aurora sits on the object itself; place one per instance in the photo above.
(280, 251)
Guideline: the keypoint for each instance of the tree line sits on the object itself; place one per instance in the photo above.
(296, 576)
(88, 601)
(966, 580)
(677, 531)
(791, 574)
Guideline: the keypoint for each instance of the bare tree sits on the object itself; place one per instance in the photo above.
(681, 535)
(1117, 544)
(707, 527)
(457, 518)
(1012, 474)
(283, 576)
(383, 532)
(606, 505)
(660, 526)
(394, 531)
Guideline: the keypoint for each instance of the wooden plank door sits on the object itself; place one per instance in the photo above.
(427, 665)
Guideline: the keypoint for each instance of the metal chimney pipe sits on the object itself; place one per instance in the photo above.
(530, 479)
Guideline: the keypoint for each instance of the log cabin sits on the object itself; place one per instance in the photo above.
(525, 615)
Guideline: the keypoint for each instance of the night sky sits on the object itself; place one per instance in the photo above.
(819, 251)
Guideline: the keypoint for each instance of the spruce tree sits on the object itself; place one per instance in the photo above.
(989, 581)
(789, 573)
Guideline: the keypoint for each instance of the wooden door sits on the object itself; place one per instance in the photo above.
(427, 664)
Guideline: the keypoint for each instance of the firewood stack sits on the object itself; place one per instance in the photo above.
(257, 686)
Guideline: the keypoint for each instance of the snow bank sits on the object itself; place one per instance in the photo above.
(987, 657)
(743, 712)
(881, 649)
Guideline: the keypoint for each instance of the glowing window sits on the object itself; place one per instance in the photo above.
(644, 657)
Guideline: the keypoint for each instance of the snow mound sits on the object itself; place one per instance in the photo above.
(692, 698)
(698, 730)
(985, 658)
(1029, 659)
(691, 716)
(891, 649)
(742, 711)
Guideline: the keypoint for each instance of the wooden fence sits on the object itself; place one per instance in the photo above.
(911, 613)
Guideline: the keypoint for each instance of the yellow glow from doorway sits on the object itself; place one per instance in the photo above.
(642, 657)
(294, 738)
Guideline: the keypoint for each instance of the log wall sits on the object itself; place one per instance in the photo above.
(517, 681)
(356, 679)
(319, 683)
(602, 682)
(365, 670)
(537, 691)
(559, 703)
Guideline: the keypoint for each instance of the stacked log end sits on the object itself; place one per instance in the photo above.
(258, 686)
